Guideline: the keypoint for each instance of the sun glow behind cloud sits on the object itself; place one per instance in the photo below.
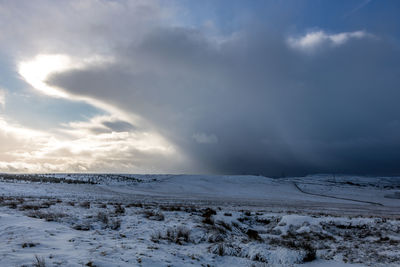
(36, 71)
(115, 142)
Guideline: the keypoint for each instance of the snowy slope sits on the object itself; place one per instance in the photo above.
(141, 220)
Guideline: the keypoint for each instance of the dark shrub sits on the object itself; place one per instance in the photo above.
(114, 224)
(178, 235)
(28, 245)
(81, 227)
(208, 220)
(263, 221)
(39, 262)
(227, 226)
(118, 209)
(85, 204)
(48, 216)
(253, 234)
(29, 207)
(208, 212)
(310, 253)
(136, 205)
(154, 215)
(102, 217)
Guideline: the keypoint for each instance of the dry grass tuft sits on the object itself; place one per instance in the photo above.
(179, 235)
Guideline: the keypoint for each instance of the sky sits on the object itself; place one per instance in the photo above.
(267, 87)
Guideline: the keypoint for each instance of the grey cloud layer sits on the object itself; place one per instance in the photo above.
(272, 109)
(246, 103)
(77, 27)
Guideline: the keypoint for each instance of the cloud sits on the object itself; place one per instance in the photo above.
(77, 27)
(98, 124)
(317, 39)
(273, 109)
(36, 71)
(168, 89)
(2, 98)
(77, 36)
(24, 149)
(203, 138)
(119, 126)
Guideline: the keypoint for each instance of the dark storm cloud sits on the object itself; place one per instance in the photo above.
(269, 108)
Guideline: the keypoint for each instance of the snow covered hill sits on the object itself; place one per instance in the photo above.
(181, 220)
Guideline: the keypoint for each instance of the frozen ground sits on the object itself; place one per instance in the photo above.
(181, 220)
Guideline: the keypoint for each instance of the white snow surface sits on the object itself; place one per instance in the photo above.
(198, 220)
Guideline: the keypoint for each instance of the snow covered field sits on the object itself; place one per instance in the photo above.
(195, 220)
